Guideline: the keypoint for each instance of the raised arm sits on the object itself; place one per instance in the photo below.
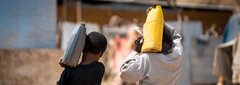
(135, 68)
(177, 47)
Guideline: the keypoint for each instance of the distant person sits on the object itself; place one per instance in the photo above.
(90, 71)
(121, 46)
(161, 68)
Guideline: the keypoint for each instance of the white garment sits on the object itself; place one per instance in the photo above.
(154, 68)
(236, 59)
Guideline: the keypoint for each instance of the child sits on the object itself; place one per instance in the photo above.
(156, 68)
(90, 71)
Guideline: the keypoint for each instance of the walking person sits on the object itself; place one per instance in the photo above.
(90, 71)
(161, 68)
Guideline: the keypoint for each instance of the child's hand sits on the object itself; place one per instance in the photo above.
(138, 44)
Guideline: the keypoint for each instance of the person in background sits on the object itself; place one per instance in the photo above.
(161, 68)
(121, 45)
(89, 71)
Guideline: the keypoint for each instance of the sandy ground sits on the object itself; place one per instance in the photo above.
(29, 66)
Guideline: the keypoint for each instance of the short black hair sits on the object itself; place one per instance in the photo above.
(167, 40)
(95, 43)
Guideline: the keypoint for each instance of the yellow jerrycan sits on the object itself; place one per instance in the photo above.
(153, 30)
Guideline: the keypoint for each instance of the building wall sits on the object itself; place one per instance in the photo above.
(102, 16)
(29, 66)
(27, 23)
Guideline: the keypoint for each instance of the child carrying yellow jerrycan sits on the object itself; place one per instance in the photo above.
(156, 59)
(153, 30)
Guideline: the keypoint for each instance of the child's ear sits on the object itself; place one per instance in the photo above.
(84, 51)
(100, 54)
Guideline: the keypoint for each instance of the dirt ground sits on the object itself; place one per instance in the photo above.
(29, 66)
(33, 67)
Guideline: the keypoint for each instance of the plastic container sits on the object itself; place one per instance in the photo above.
(153, 30)
(75, 47)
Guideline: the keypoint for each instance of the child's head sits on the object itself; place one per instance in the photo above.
(95, 43)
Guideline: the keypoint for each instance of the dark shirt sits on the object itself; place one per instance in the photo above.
(90, 74)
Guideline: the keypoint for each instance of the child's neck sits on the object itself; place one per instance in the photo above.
(89, 58)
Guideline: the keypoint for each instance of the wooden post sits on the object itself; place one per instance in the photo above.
(78, 10)
(64, 10)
